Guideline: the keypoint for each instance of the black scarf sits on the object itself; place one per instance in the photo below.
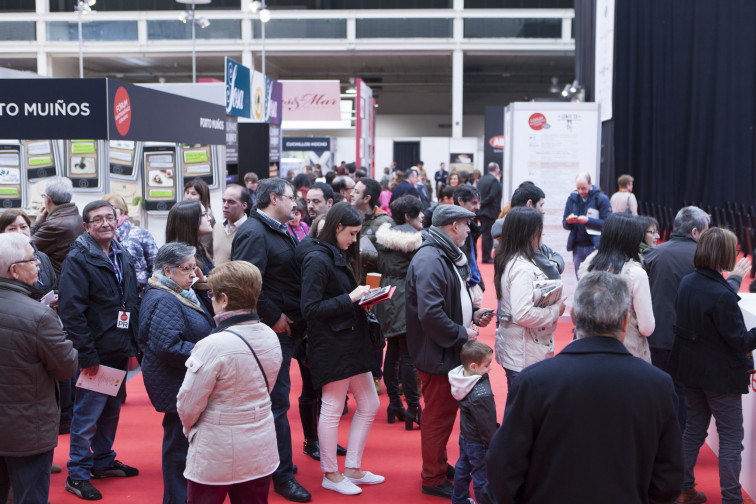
(441, 240)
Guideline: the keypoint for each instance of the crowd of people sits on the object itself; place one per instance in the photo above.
(217, 314)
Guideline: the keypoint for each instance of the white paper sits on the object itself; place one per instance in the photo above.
(160, 165)
(160, 158)
(9, 159)
(49, 298)
(121, 156)
(37, 148)
(10, 176)
(107, 380)
(198, 169)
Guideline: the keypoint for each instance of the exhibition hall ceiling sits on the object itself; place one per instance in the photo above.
(403, 83)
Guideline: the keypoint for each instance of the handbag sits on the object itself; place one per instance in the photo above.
(267, 386)
(374, 330)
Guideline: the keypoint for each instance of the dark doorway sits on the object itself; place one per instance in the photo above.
(406, 154)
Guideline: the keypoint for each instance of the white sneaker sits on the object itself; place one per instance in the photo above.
(345, 486)
(368, 479)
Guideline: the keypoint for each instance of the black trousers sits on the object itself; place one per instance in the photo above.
(486, 240)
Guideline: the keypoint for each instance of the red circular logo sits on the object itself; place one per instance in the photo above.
(124, 317)
(122, 111)
(537, 121)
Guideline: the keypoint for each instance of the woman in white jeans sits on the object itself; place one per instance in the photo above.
(339, 350)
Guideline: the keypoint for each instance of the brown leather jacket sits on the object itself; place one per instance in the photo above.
(57, 232)
(35, 353)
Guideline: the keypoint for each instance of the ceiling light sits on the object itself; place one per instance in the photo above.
(566, 90)
(185, 16)
(351, 90)
(255, 6)
(265, 15)
(203, 22)
(554, 89)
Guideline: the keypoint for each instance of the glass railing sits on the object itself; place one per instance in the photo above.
(173, 29)
(513, 28)
(302, 29)
(404, 28)
(101, 31)
(18, 30)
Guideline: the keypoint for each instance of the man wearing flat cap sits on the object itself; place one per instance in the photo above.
(440, 319)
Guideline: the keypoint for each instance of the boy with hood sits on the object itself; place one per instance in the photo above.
(477, 420)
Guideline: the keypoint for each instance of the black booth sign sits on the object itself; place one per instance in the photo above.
(140, 113)
(103, 109)
(53, 108)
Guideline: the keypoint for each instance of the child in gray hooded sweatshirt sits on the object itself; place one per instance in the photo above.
(477, 420)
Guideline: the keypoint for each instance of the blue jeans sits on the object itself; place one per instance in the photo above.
(579, 253)
(93, 430)
(471, 465)
(28, 476)
(510, 377)
(728, 413)
(175, 447)
(279, 399)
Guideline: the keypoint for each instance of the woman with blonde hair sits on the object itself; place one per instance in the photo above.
(224, 403)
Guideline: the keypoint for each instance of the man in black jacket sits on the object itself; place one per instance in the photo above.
(263, 241)
(666, 265)
(576, 438)
(440, 314)
(98, 306)
(490, 205)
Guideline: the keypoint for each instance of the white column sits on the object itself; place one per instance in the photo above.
(42, 6)
(457, 92)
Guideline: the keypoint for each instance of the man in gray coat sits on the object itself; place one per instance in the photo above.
(34, 354)
(440, 319)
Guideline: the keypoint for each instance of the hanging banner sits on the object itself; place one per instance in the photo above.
(493, 146)
(311, 100)
(35, 109)
(237, 89)
(258, 97)
(273, 102)
(140, 113)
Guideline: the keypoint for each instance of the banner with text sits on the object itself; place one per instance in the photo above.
(238, 96)
(311, 100)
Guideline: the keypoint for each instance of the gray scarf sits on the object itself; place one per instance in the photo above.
(439, 239)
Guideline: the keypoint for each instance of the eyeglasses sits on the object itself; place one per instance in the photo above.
(292, 198)
(652, 231)
(33, 259)
(98, 221)
(185, 269)
(204, 214)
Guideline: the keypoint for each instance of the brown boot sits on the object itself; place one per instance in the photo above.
(691, 496)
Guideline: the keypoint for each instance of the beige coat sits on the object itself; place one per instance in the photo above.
(225, 407)
(529, 336)
(642, 321)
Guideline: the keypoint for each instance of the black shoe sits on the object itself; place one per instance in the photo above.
(83, 489)
(444, 490)
(116, 470)
(450, 472)
(340, 451)
(312, 449)
(394, 412)
(413, 415)
(293, 491)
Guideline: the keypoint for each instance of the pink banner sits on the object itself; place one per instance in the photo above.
(311, 101)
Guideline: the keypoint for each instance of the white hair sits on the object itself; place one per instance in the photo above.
(59, 189)
(11, 250)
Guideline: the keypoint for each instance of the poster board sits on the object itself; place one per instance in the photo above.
(40, 159)
(83, 164)
(197, 161)
(11, 184)
(160, 178)
(549, 144)
(123, 159)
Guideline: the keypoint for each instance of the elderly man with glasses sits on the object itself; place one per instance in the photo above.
(35, 354)
(98, 305)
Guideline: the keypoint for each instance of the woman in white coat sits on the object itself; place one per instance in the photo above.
(618, 253)
(224, 402)
(525, 333)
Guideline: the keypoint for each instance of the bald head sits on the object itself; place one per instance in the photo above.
(583, 184)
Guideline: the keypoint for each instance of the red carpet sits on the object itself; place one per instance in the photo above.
(391, 451)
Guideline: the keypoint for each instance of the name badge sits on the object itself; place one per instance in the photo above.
(123, 320)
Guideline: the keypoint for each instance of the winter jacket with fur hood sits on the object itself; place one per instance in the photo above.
(396, 245)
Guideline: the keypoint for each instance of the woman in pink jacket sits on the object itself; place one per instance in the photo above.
(224, 402)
